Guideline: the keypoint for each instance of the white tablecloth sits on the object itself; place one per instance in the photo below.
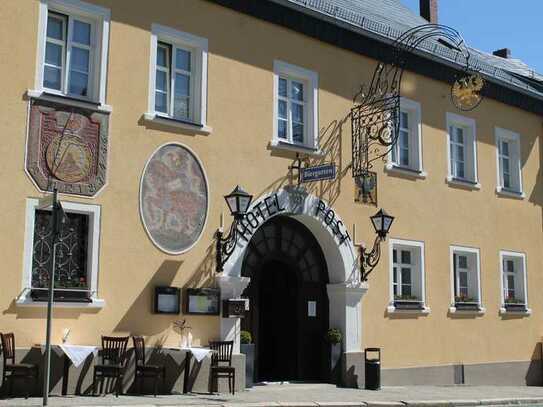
(198, 353)
(78, 353)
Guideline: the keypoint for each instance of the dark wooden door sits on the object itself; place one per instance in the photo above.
(288, 315)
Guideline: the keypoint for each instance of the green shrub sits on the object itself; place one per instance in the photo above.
(245, 337)
(333, 336)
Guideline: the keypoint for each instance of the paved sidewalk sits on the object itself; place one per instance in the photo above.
(300, 395)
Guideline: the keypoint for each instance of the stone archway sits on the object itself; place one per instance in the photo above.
(345, 290)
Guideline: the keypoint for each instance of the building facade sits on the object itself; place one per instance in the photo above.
(144, 115)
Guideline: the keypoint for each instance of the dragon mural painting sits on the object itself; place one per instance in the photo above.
(173, 198)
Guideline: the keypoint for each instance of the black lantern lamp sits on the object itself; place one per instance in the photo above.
(381, 222)
(238, 202)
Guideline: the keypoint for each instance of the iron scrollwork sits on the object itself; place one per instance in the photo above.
(369, 259)
(226, 245)
(375, 116)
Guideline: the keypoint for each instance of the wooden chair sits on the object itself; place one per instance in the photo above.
(143, 369)
(113, 361)
(221, 365)
(28, 372)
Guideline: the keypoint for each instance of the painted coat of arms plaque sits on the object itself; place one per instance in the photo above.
(67, 148)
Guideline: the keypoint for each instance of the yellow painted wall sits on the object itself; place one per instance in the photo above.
(241, 55)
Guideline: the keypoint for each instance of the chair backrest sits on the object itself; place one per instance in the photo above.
(8, 347)
(139, 350)
(222, 352)
(114, 349)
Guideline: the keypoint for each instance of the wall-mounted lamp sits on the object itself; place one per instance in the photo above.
(238, 202)
(381, 222)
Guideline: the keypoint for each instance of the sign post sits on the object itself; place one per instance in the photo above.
(56, 211)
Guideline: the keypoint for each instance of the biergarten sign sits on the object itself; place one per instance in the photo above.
(318, 173)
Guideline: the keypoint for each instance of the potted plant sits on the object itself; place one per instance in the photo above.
(247, 347)
(514, 304)
(463, 302)
(333, 338)
(406, 301)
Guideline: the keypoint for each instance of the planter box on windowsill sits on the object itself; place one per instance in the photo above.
(75, 296)
(467, 306)
(408, 304)
(515, 307)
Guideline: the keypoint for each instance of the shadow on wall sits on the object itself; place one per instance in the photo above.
(133, 320)
(331, 142)
(536, 197)
(41, 312)
(534, 375)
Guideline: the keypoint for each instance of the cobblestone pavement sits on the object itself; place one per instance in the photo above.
(300, 395)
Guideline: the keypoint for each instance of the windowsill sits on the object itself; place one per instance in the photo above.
(68, 100)
(509, 311)
(509, 193)
(424, 310)
(26, 301)
(286, 146)
(179, 124)
(409, 172)
(464, 183)
(467, 311)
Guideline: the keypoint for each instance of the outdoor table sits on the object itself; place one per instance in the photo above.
(73, 355)
(199, 354)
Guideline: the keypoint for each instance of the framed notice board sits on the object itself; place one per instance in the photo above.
(202, 301)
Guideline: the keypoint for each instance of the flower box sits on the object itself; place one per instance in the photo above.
(466, 305)
(515, 306)
(414, 304)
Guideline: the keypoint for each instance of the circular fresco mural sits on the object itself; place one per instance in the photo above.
(173, 198)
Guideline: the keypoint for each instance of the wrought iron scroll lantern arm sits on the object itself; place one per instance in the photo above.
(225, 245)
(369, 259)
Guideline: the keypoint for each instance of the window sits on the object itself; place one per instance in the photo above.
(407, 275)
(514, 289)
(508, 162)
(462, 150)
(407, 152)
(295, 106)
(76, 265)
(178, 76)
(465, 279)
(73, 38)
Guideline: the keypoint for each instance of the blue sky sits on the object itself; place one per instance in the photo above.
(489, 25)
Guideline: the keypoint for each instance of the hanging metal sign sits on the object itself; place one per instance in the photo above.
(318, 173)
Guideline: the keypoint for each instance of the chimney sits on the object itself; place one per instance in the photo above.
(503, 53)
(428, 10)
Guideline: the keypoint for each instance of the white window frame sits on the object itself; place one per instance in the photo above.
(468, 124)
(522, 257)
(198, 46)
(310, 79)
(473, 252)
(414, 246)
(515, 163)
(99, 18)
(93, 211)
(415, 167)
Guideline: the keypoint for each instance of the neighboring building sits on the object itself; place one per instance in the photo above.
(145, 114)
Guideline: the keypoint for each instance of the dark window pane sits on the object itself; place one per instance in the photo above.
(55, 28)
(406, 276)
(406, 257)
(82, 32)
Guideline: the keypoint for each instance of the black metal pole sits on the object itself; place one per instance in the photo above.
(54, 233)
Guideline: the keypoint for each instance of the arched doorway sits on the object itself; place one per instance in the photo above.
(288, 316)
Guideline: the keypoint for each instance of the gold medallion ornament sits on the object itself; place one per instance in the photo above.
(68, 159)
(466, 92)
